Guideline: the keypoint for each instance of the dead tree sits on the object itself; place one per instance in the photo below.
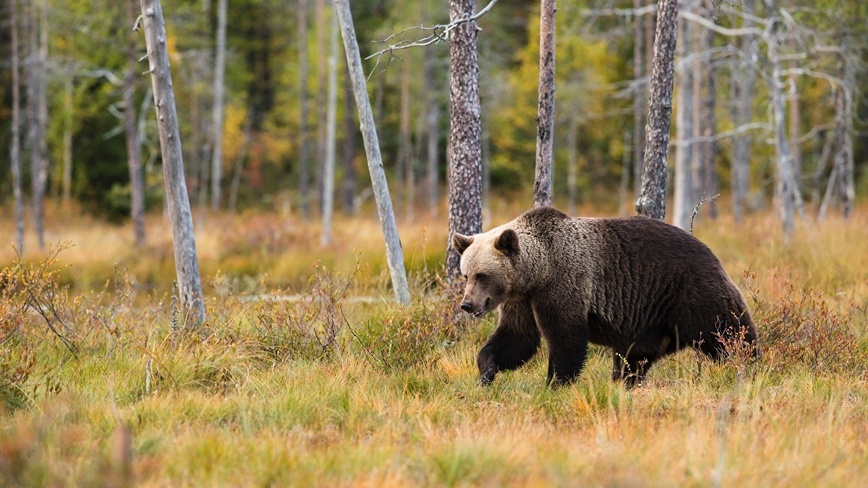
(465, 132)
(219, 99)
(542, 185)
(394, 254)
(15, 144)
(134, 153)
(652, 198)
(186, 260)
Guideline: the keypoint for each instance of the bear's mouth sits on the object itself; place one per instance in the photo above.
(482, 310)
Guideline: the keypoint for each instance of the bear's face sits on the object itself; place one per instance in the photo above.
(487, 265)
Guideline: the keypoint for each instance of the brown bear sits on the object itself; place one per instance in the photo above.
(636, 285)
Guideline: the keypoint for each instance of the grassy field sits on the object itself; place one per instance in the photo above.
(307, 373)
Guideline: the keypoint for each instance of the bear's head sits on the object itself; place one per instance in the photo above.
(488, 265)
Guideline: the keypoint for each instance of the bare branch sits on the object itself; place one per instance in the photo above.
(696, 209)
(439, 32)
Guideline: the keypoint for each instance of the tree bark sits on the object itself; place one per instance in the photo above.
(186, 261)
(349, 180)
(542, 185)
(331, 128)
(15, 144)
(465, 132)
(134, 154)
(744, 81)
(788, 196)
(684, 195)
(219, 98)
(652, 198)
(394, 253)
(38, 106)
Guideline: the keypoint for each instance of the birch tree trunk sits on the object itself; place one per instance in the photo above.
(331, 126)
(788, 196)
(15, 144)
(38, 104)
(542, 185)
(652, 198)
(349, 180)
(744, 81)
(186, 261)
(219, 97)
(394, 253)
(134, 154)
(684, 195)
(465, 133)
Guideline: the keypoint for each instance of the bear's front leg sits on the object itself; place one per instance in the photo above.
(566, 333)
(513, 343)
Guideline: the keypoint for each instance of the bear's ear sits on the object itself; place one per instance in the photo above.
(461, 242)
(507, 243)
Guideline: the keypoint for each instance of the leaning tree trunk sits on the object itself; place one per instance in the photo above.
(683, 201)
(186, 261)
(394, 254)
(15, 145)
(219, 98)
(134, 154)
(465, 133)
(652, 198)
(542, 185)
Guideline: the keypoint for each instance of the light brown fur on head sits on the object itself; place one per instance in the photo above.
(487, 265)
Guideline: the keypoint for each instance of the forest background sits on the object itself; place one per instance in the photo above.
(270, 157)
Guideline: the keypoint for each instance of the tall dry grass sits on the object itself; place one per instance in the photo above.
(321, 389)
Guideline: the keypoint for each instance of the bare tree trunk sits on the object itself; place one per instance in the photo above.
(788, 196)
(652, 198)
(847, 165)
(638, 98)
(433, 134)
(134, 154)
(705, 153)
(542, 185)
(394, 254)
(684, 195)
(15, 145)
(37, 89)
(331, 128)
(219, 98)
(186, 261)
(320, 101)
(303, 127)
(744, 81)
(68, 122)
(465, 133)
(349, 181)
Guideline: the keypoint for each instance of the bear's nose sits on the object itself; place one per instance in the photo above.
(467, 306)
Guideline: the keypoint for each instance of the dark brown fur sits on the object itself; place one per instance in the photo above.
(639, 286)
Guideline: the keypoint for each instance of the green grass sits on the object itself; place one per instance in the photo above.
(326, 391)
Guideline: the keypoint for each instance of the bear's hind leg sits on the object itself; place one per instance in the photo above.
(513, 343)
